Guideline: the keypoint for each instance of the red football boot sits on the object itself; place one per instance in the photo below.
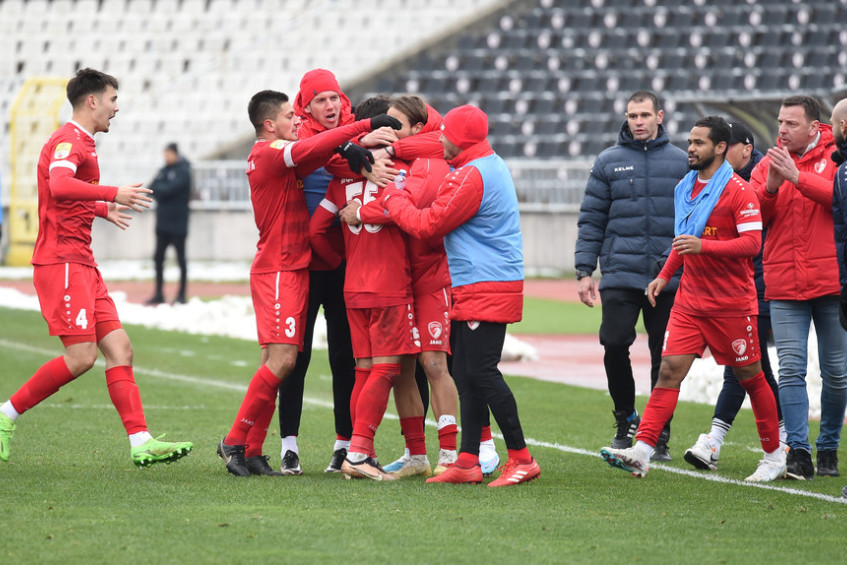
(515, 473)
(458, 475)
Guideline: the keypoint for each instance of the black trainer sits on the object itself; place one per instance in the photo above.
(337, 459)
(625, 429)
(291, 464)
(828, 463)
(233, 456)
(258, 465)
(798, 465)
(661, 452)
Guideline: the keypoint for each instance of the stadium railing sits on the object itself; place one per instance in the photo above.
(542, 185)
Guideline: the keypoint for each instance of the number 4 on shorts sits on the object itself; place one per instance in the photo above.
(81, 320)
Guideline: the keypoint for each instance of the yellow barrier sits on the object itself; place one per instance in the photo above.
(33, 118)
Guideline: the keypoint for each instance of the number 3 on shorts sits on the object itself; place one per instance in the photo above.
(81, 320)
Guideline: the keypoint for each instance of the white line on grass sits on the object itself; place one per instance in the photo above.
(529, 441)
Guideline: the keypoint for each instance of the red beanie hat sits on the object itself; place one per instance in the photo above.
(465, 126)
(313, 83)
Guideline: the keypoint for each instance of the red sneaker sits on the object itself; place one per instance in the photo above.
(514, 473)
(458, 475)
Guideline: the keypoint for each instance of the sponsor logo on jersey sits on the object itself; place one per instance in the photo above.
(739, 346)
(435, 329)
(627, 168)
(62, 151)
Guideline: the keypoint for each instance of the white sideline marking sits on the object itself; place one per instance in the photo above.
(529, 441)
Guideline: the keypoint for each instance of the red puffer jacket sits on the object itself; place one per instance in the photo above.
(799, 251)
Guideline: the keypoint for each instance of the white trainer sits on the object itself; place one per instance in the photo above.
(412, 466)
(703, 454)
(446, 457)
(771, 467)
(629, 459)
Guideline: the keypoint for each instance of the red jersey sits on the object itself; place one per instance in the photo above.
(274, 170)
(718, 282)
(378, 272)
(68, 191)
(279, 208)
(428, 259)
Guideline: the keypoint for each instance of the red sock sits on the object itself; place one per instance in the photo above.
(370, 408)
(413, 432)
(764, 410)
(447, 437)
(259, 431)
(486, 434)
(522, 456)
(125, 396)
(658, 411)
(466, 460)
(261, 392)
(46, 381)
(361, 378)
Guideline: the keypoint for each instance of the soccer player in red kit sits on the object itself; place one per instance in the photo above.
(74, 300)
(718, 232)
(279, 276)
(430, 288)
(378, 294)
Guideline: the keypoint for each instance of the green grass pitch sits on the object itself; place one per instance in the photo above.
(70, 493)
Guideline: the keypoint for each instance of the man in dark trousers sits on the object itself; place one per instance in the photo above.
(626, 226)
(172, 190)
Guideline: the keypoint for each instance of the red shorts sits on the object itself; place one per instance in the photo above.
(74, 301)
(432, 314)
(280, 300)
(383, 332)
(732, 341)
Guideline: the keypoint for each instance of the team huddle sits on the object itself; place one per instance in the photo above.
(417, 219)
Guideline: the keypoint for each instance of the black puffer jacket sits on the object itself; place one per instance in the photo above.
(172, 191)
(627, 214)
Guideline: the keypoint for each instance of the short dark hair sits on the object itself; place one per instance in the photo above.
(642, 95)
(412, 106)
(172, 147)
(373, 106)
(88, 81)
(719, 129)
(811, 105)
(265, 106)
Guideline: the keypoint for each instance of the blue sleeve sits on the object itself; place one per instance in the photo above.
(314, 187)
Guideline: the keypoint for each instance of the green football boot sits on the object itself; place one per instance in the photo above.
(7, 430)
(155, 451)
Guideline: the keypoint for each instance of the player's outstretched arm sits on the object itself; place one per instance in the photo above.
(134, 196)
(115, 214)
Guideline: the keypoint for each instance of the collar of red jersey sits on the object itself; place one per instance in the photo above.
(88, 133)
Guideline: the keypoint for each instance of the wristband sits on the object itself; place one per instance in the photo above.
(582, 274)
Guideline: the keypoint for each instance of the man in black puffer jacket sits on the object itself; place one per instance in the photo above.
(172, 191)
(627, 222)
